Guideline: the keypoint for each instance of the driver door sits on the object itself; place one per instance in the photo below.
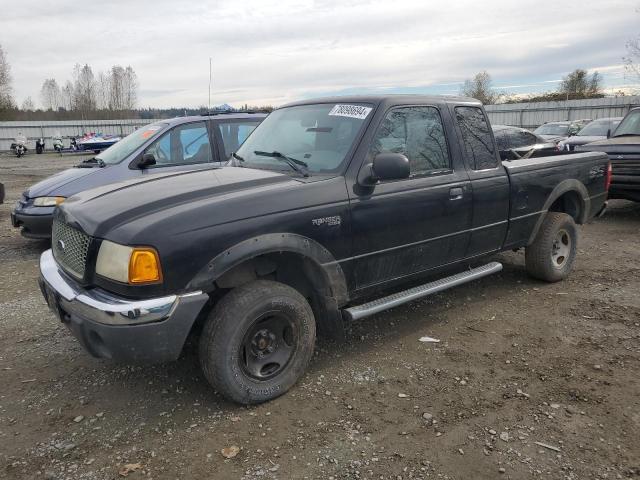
(409, 226)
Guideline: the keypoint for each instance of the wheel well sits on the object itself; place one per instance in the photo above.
(569, 203)
(296, 271)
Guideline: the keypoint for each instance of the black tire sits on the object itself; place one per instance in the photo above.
(552, 254)
(231, 354)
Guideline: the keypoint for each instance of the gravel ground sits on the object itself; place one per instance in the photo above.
(529, 380)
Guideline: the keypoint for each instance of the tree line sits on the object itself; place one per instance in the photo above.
(577, 85)
(110, 94)
(115, 90)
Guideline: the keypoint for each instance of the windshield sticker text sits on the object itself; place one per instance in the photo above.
(353, 111)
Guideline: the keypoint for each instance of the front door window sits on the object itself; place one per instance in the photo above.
(182, 145)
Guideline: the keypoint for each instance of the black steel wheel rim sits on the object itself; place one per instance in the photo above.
(268, 346)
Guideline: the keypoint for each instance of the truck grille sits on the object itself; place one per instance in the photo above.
(628, 164)
(70, 248)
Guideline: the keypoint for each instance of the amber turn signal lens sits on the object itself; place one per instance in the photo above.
(144, 266)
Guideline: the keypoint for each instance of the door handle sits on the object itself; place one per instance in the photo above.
(456, 193)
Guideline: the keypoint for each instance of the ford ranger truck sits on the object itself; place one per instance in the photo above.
(331, 211)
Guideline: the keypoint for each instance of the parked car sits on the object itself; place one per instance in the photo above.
(558, 131)
(623, 149)
(167, 146)
(597, 130)
(328, 204)
(515, 143)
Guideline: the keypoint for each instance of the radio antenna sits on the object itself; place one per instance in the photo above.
(210, 81)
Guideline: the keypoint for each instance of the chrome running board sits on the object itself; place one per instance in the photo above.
(384, 303)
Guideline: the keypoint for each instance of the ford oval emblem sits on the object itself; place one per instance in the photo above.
(61, 245)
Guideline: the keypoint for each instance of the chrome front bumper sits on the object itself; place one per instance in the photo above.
(109, 326)
(101, 306)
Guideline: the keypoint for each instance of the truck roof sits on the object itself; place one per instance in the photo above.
(395, 99)
(213, 116)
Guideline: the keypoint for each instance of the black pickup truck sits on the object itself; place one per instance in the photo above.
(326, 214)
(623, 148)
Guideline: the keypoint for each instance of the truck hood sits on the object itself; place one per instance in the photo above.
(554, 138)
(614, 145)
(62, 183)
(583, 139)
(103, 209)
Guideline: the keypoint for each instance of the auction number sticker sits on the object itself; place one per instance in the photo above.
(150, 131)
(353, 111)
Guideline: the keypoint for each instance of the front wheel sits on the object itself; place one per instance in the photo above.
(553, 252)
(257, 341)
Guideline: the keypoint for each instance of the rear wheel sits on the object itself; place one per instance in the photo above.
(552, 254)
(257, 341)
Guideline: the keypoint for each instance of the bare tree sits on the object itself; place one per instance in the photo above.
(632, 59)
(6, 97)
(579, 84)
(28, 105)
(68, 98)
(84, 89)
(123, 84)
(116, 88)
(103, 90)
(130, 88)
(481, 88)
(51, 95)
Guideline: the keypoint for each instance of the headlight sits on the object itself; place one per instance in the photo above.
(133, 265)
(47, 201)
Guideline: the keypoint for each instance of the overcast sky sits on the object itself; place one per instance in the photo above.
(271, 52)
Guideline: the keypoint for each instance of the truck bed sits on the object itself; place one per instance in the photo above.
(536, 183)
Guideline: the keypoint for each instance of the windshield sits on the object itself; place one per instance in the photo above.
(598, 128)
(319, 135)
(552, 129)
(630, 125)
(129, 144)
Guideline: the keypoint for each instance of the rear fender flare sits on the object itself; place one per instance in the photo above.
(569, 185)
(274, 243)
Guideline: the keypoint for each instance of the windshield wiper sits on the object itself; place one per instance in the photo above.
(88, 163)
(297, 165)
(234, 157)
(626, 135)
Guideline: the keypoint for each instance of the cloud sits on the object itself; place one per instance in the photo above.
(268, 51)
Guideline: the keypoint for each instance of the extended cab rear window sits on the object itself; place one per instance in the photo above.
(476, 137)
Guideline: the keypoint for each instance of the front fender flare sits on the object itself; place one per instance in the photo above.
(274, 243)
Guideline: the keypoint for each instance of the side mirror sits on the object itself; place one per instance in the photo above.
(609, 133)
(389, 166)
(147, 160)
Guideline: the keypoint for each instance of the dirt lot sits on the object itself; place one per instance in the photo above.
(519, 362)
